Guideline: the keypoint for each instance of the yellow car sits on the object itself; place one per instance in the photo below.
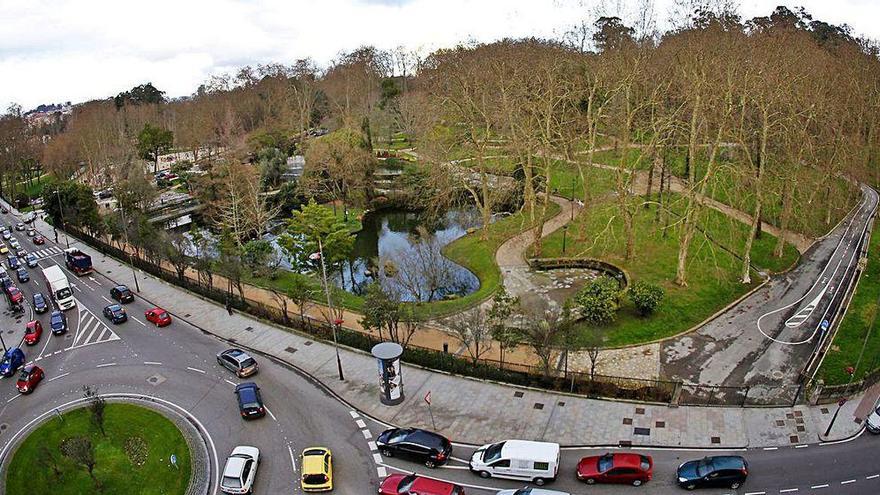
(3, 249)
(317, 470)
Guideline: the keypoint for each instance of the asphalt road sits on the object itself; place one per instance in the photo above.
(177, 364)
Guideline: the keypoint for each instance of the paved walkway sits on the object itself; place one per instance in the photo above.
(476, 412)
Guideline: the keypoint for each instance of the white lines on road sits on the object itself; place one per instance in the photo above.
(272, 415)
(105, 365)
(139, 321)
(367, 434)
(801, 446)
(381, 472)
(108, 300)
(152, 363)
(196, 370)
(788, 490)
(13, 398)
(292, 457)
(771, 448)
(872, 477)
(818, 487)
(360, 423)
(354, 414)
(847, 482)
(377, 458)
(230, 382)
(372, 446)
(756, 493)
(62, 375)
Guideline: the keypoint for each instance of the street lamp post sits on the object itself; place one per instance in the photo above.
(338, 321)
(61, 211)
(137, 286)
(564, 234)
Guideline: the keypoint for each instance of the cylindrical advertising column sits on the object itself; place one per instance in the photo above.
(387, 355)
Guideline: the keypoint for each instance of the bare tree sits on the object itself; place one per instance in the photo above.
(423, 272)
(473, 329)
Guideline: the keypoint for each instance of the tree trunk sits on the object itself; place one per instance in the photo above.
(685, 244)
(651, 178)
(759, 188)
(783, 221)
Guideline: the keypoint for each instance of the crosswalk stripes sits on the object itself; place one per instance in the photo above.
(92, 331)
(45, 253)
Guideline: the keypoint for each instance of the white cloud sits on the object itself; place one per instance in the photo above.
(62, 50)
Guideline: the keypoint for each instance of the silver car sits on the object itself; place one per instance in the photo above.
(240, 470)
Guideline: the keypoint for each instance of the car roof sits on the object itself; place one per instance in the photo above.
(121, 287)
(527, 449)
(727, 462)
(234, 467)
(426, 438)
(114, 307)
(313, 460)
(423, 483)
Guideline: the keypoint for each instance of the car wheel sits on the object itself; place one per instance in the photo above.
(430, 464)
(485, 475)
(387, 453)
(590, 481)
(735, 485)
(637, 482)
(539, 481)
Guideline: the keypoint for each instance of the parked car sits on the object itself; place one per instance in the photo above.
(23, 275)
(7, 235)
(13, 262)
(19, 226)
(13, 359)
(632, 469)
(317, 470)
(115, 313)
(58, 322)
(872, 423)
(39, 240)
(726, 471)
(240, 470)
(31, 260)
(122, 294)
(238, 362)
(15, 244)
(4, 249)
(531, 491)
(4, 210)
(40, 304)
(5, 281)
(250, 402)
(29, 378)
(413, 484)
(32, 332)
(158, 316)
(426, 447)
(31, 232)
(536, 462)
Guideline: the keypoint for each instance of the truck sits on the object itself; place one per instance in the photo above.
(59, 287)
(77, 261)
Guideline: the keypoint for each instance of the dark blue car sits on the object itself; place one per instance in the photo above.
(58, 323)
(250, 403)
(115, 313)
(12, 361)
(40, 304)
(13, 262)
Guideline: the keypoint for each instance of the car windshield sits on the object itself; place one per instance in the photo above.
(247, 363)
(705, 467)
(605, 463)
(406, 483)
(38, 299)
(63, 293)
(231, 482)
(523, 491)
(493, 452)
(164, 315)
(24, 375)
(398, 436)
(56, 321)
(29, 330)
(314, 479)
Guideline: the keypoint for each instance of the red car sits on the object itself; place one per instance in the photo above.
(32, 332)
(29, 378)
(39, 240)
(411, 484)
(633, 469)
(15, 295)
(158, 316)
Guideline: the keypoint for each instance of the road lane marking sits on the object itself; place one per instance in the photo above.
(360, 423)
(354, 414)
(153, 363)
(139, 321)
(381, 472)
(367, 434)
(872, 477)
(847, 482)
(756, 493)
(801, 446)
(196, 370)
(270, 414)
(788, 490)
(13, 398)
(108, 300)
(105, 365)
(816, 487)
(771, 448)
(377, 458)
(372, 446)
(292, 457)
(230, 382)
(59, 376)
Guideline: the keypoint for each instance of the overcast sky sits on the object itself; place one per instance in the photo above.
(76, 50)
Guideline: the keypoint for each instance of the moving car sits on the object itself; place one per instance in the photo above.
(21, 253)
(13, 359)
(4, 249)
(413, 484)
(58, 322)
(29, 378)
(238, 362)
(40, 304)
(19, 226)
(725, 471)
(536, 462)
(872, 422)
(31, 232)
(317, 470)
(122, 294)
(158, 316)
(240, 470)
(115, 313)
(250, 402)
(15, 295)
(32, 332)
(23, 275)
(422, 446)
(12, 261)
(5, 281)
(626, 468)
(531, 491)
(7, 235)
(39, 240)
(31, 260)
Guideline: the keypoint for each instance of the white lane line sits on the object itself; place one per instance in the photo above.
(872, 477)
(788, 490)
(847, 482)
(13, 398)
(816, 487)
(139, 321)
(381, 472)
(105, 365)
(360, 423)
(801, 446)
(62, 375)
(272, 415)
(771, 448)
(377, 458)
(372, 446)
(43, 350)
(367, 434)
(230, 382)
(152, 363)
(756, 493)
(292, 457)
(354, 414)
(108, 300)
(196, 370)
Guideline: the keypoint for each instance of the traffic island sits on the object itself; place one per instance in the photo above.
(133, 450)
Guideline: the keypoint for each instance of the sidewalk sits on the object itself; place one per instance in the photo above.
(472, 411)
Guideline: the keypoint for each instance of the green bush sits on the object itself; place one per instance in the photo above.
(646, 297)
(598, 301)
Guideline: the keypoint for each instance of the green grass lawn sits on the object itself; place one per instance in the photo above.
(713, 273)
(114, 469)
(859, 322)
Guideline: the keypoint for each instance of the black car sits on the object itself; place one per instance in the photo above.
(13, 262)
(58, 322)
(726, 471)
(40, 304)
(23, 275)
(238, 362)
(115, 313)
(250, 403)
(122, 294)
(5, 281)
(418, 445)
(4, 210)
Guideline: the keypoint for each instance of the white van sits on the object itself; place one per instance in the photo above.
(537, 462)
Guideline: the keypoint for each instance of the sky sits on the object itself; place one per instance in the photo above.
(75, 50)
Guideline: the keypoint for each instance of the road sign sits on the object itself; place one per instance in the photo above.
(428, 398)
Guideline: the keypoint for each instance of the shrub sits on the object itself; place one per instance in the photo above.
(597, 301)
(646, 297)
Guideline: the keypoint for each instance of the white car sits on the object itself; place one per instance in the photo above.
(240, 470)
(872, 424)
(531, 491)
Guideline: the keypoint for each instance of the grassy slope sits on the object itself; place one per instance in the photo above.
(860, 321)
(113, 467)
(712, 272)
